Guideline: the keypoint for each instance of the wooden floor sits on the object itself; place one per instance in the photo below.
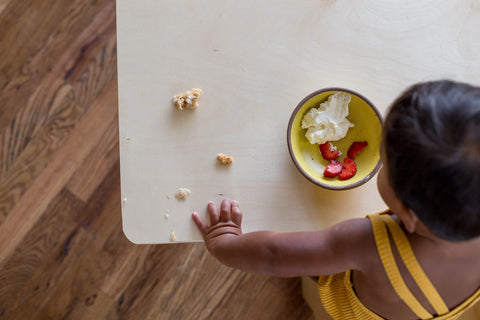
(62, 251)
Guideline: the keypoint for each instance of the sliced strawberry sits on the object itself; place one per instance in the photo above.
(329, 152)
(333, 169)
(355, 148)
(349, 169)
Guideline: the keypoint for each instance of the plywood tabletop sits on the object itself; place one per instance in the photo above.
(254, 61)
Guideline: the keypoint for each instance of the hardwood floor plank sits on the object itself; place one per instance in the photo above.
(77, 284)
(105, 31)
(213, 291)
(97, 164)
(126, 270)
(150, 282)
(64, 115)
(49, 96)
(50, 27)
(39, 152)
(203, 284)
(80, 61)
(95, 306)
(102, 213)
(99, 72)
(3, 5)
(26, 313)
(40, 316)
(80, 293)
(51, 180)
(102, 218)
(71, 26)
(28, 277)
(286, 293)
(48, 284)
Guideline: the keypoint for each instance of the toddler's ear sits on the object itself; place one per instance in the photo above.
(410, 220)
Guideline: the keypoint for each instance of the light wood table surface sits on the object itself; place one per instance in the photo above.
(254, 61)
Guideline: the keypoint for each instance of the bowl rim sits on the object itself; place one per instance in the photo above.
(289, 142)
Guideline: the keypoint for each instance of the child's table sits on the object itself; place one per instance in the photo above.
(255, 60)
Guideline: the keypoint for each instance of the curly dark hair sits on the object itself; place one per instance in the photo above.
(431, 140)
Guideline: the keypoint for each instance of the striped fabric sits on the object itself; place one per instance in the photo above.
(341, 302)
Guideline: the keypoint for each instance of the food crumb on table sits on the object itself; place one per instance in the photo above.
(187, 100)
(169, 196)
(173, 236)
(224, 159)
(166, 216)
(182, 193)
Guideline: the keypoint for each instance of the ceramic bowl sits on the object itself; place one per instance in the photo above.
(368, 127)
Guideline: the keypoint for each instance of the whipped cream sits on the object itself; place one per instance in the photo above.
(329, 121)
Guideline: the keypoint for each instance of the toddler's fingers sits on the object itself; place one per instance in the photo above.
(236, 213)
(201, 225)
(225, 208)
(212, 213)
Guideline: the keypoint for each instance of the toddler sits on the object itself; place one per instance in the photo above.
(420, 259)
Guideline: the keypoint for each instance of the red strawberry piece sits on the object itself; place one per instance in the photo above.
(349, 169)
(329, 152)
(333, 169)
(355, 148)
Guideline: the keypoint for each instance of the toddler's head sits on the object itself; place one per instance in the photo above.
(431, 142)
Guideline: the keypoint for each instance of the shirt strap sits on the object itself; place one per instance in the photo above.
(411, 262)
(386, 256)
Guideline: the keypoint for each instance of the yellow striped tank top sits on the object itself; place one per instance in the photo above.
(340, 301)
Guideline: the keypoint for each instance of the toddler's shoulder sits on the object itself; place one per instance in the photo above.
(355, 237)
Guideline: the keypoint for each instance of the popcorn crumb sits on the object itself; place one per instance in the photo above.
(173, 236)
(224, 159)
(187, 100)
(169, 196)
(166, 216)
(182, 193)
(124, 201)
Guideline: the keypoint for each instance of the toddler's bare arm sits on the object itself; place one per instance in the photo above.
(329, 251)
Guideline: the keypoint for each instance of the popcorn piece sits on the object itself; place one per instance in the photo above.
(182, 193)
(169, 196)
(187, 100)
(224, 159)
(173, 236)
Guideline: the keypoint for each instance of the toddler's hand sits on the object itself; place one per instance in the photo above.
(223, 225)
